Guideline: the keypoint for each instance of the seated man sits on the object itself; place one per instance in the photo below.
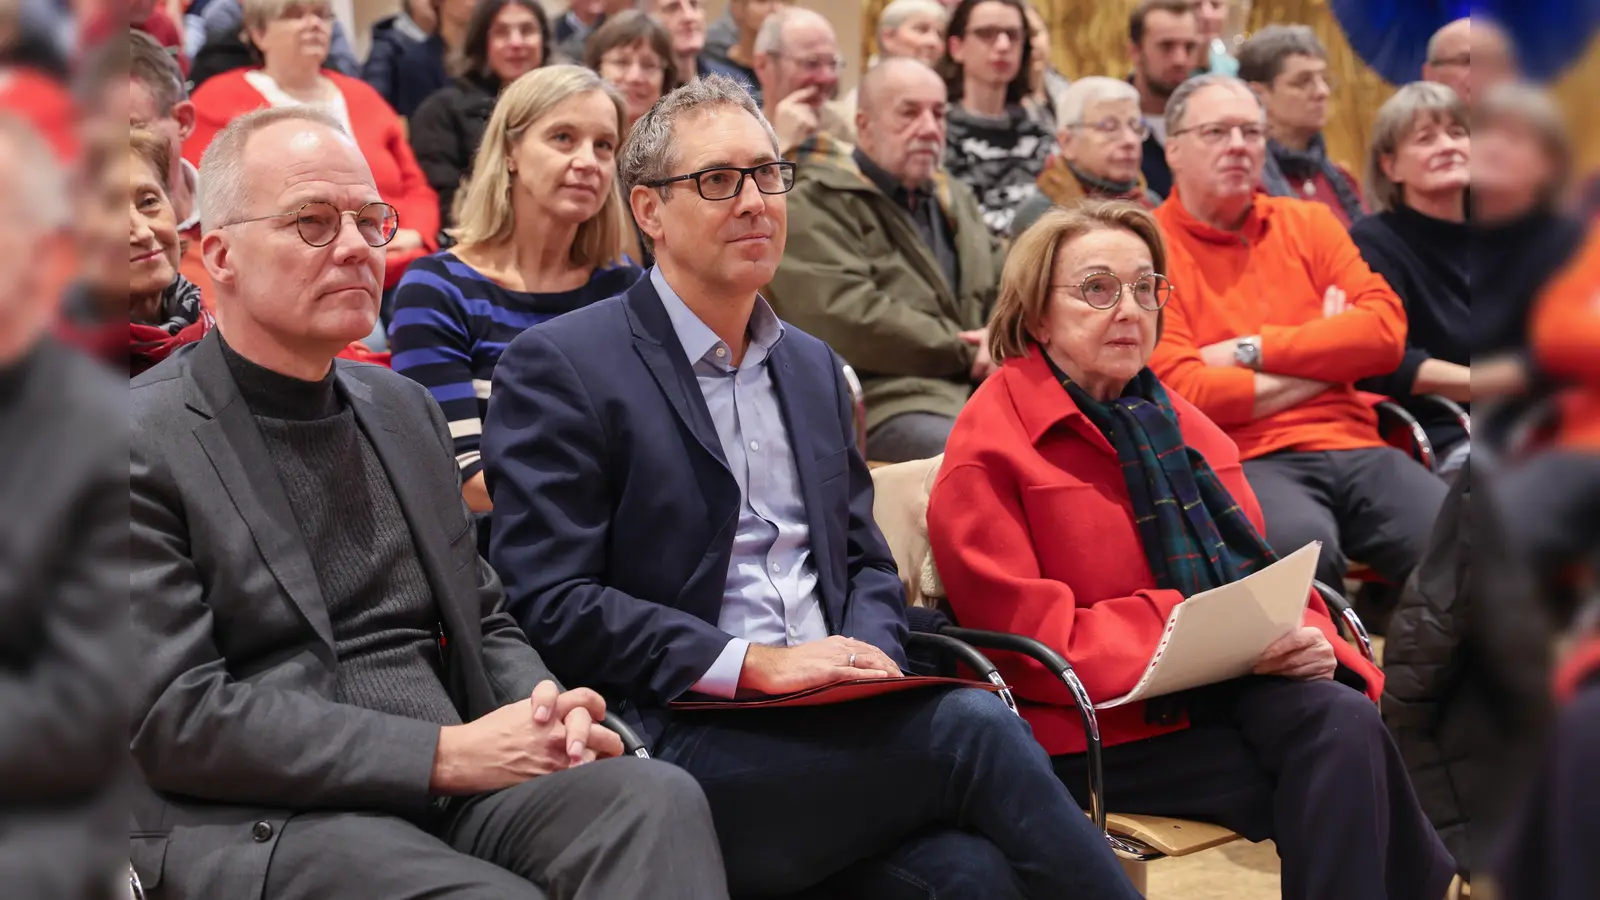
(329, 701)
(798, 64)
(890, 264)
(1273, 319)
(678, 509)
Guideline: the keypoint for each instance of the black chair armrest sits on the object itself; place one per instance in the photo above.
(1445, 408)
(945, 645)
(1397, 425)
(1344, 617)
(632, 745)
(1040, 652)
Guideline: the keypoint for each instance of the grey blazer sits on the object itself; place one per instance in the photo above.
(233, 727)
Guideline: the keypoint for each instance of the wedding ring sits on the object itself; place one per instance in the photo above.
(852, 661)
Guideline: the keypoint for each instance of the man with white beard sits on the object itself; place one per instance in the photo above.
(889, 262)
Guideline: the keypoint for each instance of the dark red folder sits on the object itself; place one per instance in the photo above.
(838, 692)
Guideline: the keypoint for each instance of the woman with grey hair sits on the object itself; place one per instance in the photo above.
(1102, 146)
(906, 28)
(1417, 179)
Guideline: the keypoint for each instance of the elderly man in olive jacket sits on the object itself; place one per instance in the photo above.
(889, 262)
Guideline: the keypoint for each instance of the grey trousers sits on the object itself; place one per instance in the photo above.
(1376, 506)
(1551, 508)
(622, 829)
(908, 436)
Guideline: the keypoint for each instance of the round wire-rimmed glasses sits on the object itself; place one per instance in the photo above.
(319, 222)
(1103, 290)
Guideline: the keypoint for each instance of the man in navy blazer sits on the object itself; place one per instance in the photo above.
(679, 510)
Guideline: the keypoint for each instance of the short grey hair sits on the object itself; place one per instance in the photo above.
(651, 151)
(769, 40)
(1261, 58)
(223, 188)
(261, 13)
(1410, 106)
(899, 12)
(37, 193)
(1527, 103)
(1178, 103)
(1092, 89)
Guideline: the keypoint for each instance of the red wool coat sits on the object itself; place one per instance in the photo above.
(1033, 533)
(378, 132)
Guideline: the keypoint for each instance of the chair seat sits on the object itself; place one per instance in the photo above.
(1173, 837)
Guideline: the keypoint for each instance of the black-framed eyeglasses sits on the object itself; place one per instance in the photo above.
(319, 222)
(1110, 128)
(726, 182)
(1103, 290)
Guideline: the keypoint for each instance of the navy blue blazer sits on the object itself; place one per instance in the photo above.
(615, 510)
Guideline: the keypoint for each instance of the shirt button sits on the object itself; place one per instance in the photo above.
(755, 445)
(777, 568)
(261, 832)
(721, 352)
(793, 631)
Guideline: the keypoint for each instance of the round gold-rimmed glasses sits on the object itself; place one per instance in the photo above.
(319, 222)
(1103, 290)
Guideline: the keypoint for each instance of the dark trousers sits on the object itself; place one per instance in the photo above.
(1550, 851)
(929, 794)
(1550, 504)
(611, 830)
(1307, 764)
(1376, 506)
(908, 436)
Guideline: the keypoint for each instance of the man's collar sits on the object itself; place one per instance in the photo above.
(891, 186)
(698, 340)
(1256, 221)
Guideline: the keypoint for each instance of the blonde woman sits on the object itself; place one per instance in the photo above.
(542, 231)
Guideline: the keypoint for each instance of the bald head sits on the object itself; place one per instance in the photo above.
(892, 78)
(796, 50)
(900, 119)
(1470, 57)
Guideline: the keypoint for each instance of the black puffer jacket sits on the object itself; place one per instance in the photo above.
(446, 131)
(1466, 664)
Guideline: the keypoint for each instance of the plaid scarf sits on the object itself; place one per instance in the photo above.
(1195, 535)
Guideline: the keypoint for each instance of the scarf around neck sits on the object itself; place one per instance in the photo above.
(1285, 165)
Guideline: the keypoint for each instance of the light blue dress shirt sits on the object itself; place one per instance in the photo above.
(770, 597)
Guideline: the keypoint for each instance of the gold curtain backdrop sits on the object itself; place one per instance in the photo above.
(1090, 37)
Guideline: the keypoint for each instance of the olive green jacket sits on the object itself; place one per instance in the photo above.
(856, 274)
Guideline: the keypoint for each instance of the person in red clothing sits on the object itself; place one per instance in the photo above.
(1078, 503)
(164, 310)
(292, 37)
(1274, 317)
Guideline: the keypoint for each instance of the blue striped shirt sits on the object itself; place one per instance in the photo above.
(451, 323)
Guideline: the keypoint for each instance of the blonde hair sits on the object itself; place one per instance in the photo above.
(1025, 282)
(258, 14)
(483, 209)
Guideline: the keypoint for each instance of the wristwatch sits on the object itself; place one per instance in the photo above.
(1247, 352)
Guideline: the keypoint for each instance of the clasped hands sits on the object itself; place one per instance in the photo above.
(548, 732)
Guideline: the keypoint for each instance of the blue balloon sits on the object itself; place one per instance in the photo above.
(1392, 36)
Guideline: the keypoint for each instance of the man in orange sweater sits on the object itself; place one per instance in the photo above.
(1274, 318)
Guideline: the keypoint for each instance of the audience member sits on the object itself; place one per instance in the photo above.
(737, 60)
(906, 28)
(1520, 171)
(1037, 529)
(579, 21)
(722, 34)
(1288, 68)
(1478, 52)
(393, 37)
(888, 262)
(991, 142)
(33, 82)
(689, 518)
(1418, 172)
(1211, 17)
(571, 48)
(105, 22)
(1164, 43)
(227, 19)
(1045, 84)
(798, 64)
(327, 697)
(541, 232)
(633, 53)
(1449, 58)
(164, 310)
(423, 69)
(685, 21)
(1101, 137)
(63, 656)
(292, 37)
(504, 40)
(158, 101)
(1274, 318)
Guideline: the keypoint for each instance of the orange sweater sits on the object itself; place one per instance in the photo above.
(1269, 280)
(1566, 341)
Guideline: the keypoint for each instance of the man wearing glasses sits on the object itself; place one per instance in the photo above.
(1288, 68)
(328, 700)
(680, 512)
(1273, 319)
(798, 63)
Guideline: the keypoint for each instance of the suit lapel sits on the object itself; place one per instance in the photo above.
(657, 344)
(800, 408)
(235, 447)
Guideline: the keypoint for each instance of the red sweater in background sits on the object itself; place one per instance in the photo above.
(1565, 334)
(45, 104)
(1269, 279)
(1033, 533)
(377, 130)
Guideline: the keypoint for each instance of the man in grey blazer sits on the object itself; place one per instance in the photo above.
(328, 701)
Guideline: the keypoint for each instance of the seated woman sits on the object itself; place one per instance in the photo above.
(1078, 503)
(1418, 240)
(164, 309)
(505, 40)
(633, 53)
(542, 232)
(292, 38)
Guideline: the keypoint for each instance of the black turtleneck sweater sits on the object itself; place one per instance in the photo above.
(1511, 264)
(1425, 260)
(384, 616)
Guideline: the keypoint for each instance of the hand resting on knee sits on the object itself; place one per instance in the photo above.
(1303, 654)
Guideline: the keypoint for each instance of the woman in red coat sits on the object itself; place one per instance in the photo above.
(292, 37)
(1078, 503)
